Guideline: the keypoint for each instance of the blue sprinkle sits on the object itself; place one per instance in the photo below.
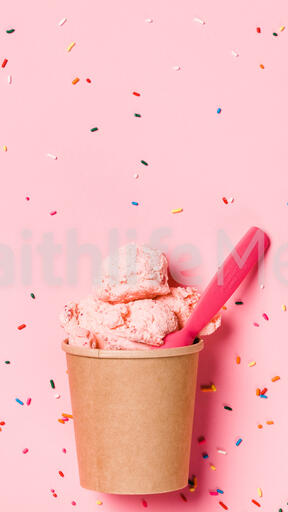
(263, 396)
(19, 401)
(219, 110)
(135, 203)
(239, 441)
(205, 455)
(219, 491)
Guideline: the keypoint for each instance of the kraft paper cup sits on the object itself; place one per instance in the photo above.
(133, 415)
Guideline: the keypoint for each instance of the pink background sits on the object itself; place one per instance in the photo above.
(195, 158)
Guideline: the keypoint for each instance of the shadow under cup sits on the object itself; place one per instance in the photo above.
(133, 416)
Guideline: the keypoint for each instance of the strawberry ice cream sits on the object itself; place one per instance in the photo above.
(133, 306)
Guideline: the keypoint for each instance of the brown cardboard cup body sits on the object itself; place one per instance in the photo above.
(133, 415)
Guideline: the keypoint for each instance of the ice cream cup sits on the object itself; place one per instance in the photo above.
(133, 414)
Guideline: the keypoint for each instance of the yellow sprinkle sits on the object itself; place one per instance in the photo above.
(4, 148)
(238, 360)
(213, 387)
(75, 80)
(259, 492)
(177, 210)
(283, 307)
(252, 363)
(192, 489)
(212, 467)
(282, 28)
(69, 48)
(99, 502)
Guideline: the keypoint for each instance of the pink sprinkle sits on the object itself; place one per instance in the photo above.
(73, 503)
(265, 316)
(28, 402)
(256, 325)
(25, 450)
(144, 503)
(27, 198)
(52, 490)
(53, 212)
(65, 419)
(64, 450)
(213, 493)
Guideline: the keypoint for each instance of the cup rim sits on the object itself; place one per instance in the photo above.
(131, 354)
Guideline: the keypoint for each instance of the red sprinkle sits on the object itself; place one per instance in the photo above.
(265, 316)
(20, 327)
(136, 93)
(27, 198)
(258, 29)
(201, 440)
(29, 401)
(144, 503)
(64, 450)
(89, 82)
(53, 212)
(263, 391)
(54, 494)
(183, 496)
(4, 63)
(61, 473)
(2, 423)
(256, 325)
(224, 200)
(256, 503)
(73, 503)
(25, 450)
(223, 505)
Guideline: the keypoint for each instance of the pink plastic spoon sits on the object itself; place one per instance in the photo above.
(250, 249)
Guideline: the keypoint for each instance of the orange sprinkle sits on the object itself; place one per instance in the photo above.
(76, 80)
(258, 392)
(0, 429)
(275, 378)
(262, 67)
(256, 503)
(223, 505)
(238, 360)
(270, 422)
(67, 415)
(61, 421)
(260, 426)
(224, 307)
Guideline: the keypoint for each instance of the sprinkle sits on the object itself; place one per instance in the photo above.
(148, 20)
(73, 503)
(28, 401)
(176, 68)
(282, 28)
(220, 491)
(223, 505)
(27, 198)
(205, 455)
(213, 493)
(61, 421)
(183, 496)
(9, 79)
(4, 63)
(7, 362)
(137, 115)
(238, 360)
(252, 363)
(53, 212)
(283, 307)
(221, 451)
(256, 503)
(275, 34)
(260, 426)
(239, 303)
(256, 325)
(54, 495)
(2, 423)
(208, 388)
(143, 162)
(10, 31)
(94, 129)
(235, 54)
(136, 175)
(61, 22)
(76, 80)
(198, 20)
(258, 30)
(219, 110)
(239, 441)
(88, 80)
(258, 392)
(262, 66)
(201, 440)
(25, 450)
(54, 157)
(212, 467)
(259, 492)
(69, 48)
(99, 502)
(263, 396)
(134, 203)
(144, 503)
(5, 148)
(20, 327)
(19, 401)
(264, 391)
(61, 473)
(65, 415)
(136, 93)
(57, 395)
(64, 450)
(228, 408)
(274, 379)
(52, 383)
(32, 295)
(265, 316)
(270, 422)
(224, 200)
(177, 210)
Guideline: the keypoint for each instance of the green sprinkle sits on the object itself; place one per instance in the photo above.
(275, 34)
(94, 129)
(143, 162)
(239, 302)
(10, 31)
(228, 408)
(280, 509)
(137, 115)
(7, 362)
(32, 295)
(52, 384)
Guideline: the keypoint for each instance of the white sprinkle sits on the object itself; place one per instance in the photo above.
(9, 79)
(61, 22)
(198, 20)
(57, 395)
(149, 20)
(52, 156)
(261, 286)
(235, 54)
(222, 452)
(176, 68)
(136, 175)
